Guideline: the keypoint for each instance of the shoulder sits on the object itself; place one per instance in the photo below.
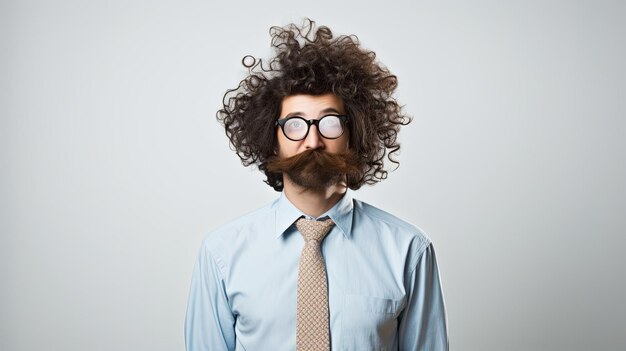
(387, 224)
(240, 229)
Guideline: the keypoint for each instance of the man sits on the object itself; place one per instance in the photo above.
(316, 269)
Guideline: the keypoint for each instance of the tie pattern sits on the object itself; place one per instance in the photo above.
(312, 321)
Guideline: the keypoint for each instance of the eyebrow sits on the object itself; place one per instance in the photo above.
(323, 112)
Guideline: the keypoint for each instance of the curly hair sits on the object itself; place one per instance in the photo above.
(309, 60)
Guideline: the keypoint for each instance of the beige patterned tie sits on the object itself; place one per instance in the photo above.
(312, 323)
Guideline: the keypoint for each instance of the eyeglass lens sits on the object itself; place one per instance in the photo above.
(329, 126)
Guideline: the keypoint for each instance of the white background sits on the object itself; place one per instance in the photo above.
(113, 166)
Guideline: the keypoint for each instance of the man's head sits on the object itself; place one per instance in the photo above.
(314, 75)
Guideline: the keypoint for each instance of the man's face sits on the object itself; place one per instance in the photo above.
(315, 162)
(311, 107)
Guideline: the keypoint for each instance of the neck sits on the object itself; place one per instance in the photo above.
(313, 202)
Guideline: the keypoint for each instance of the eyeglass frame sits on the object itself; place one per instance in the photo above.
(342, 119)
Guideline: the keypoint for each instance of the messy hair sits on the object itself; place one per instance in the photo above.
(309, 60)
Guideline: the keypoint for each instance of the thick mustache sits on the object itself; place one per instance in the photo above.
(322, 161)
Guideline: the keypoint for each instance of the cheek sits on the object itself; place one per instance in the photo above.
(284, 146)
(343, 143)
(337, 145)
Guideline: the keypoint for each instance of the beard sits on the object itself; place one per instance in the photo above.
(316, 169)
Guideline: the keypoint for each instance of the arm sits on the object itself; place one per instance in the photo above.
(423, 324)
(210, 324)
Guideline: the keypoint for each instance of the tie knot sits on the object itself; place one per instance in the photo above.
(314, 230)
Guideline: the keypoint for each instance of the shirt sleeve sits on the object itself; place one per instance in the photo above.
(423, 324)
(209, 323)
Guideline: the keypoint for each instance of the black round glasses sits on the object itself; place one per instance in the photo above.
(297, 128)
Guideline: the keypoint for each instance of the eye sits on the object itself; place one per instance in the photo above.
(295, 125)
(331, 121)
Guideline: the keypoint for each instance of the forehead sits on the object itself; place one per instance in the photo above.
(311, 105)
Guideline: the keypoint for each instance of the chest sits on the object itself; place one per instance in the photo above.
(365, 293)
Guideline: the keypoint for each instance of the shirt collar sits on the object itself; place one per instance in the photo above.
(340, 213)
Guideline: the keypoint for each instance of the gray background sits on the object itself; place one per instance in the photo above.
(114, 168)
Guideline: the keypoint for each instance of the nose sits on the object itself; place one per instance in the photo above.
(313, 140)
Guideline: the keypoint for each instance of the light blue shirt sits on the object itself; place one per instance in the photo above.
(384, 291)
